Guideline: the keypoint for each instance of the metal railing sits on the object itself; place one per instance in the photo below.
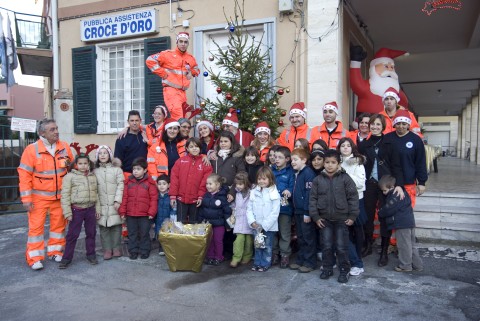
(31, 31)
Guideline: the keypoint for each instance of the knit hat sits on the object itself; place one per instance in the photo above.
(231, 118)
(183, 35)
(391, 92)
(331, 106)
(298, 108)
(170, 122)
(206, 123)
(262, 127)
(402, 116)
(108, 150)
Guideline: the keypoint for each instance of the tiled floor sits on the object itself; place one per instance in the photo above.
(455, 176)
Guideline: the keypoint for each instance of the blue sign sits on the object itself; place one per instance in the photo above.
(118, 26)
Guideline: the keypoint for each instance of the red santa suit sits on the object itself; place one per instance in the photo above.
(242, 137)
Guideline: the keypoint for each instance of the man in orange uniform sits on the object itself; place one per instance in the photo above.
(331, 131)
(176, 67)
(391, 100)
(42, 167)
(298, 128)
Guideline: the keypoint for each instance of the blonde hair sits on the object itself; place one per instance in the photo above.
(266, 171)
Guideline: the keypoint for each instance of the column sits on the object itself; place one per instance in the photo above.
(468, 132)
(474, 130)
(461, 149)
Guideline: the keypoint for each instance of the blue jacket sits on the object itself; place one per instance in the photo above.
(163, 212)
(301, 190)
(285, 180)
(215, 208)
(397, 213)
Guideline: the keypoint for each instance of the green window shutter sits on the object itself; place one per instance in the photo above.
(153, 83)
(84, 90)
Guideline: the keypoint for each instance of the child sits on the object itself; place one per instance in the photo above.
(399, 216)
(262, 215)
(352, 163)
(263, 141)
(110, 183)
(271, 156)
(139, 206)
(316, 161)
(243, 244)
(188, 179)
(80, 205)
(215, 209)
(334, 207)
(164, 208)
(302, 143)
(306, 257)
(285, 178)
(252, 162)
(319, 144)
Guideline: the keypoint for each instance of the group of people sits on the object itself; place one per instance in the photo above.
(326, 181)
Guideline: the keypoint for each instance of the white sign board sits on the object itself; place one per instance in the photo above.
(24, 125)
(119, 25)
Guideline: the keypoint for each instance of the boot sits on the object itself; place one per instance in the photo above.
(367, 250)
(384, 252)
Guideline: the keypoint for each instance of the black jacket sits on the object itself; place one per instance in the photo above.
(215, 208)
(397, 213)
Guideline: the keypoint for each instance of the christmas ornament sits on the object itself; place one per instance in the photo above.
(274, 103)
(231, 28)
(238, 111)
(235, 99)
(269, 65)
(205, 73)
(198, 120)
(202, 104)
(280, 122)
(228, 96)
(219, 90)
(283, 113)
(238, 66)
(280, 92)
(264, 110)
(211, 58)
(287, 90)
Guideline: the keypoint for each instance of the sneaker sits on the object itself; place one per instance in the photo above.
(133, 256)
(107, 255)
(399, 269)
(161, 253)
(208, 261)
(233, 264)
(37, 265)
(356, 270)
(284, 261)
(92, 260)
(326, 274)
(418, 269)
(216, 262)
(294, 266)
(144, 256)
(57, 258)
(275, 259)
(117, 253)
(63, 265)
(305, 269)
(343, 277)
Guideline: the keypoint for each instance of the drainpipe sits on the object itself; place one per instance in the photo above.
(55, 51)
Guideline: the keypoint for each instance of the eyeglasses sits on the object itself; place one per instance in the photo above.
(186, 127)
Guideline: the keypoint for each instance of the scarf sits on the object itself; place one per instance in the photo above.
(223, 153)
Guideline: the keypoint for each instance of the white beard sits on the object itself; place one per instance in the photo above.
(380, 84)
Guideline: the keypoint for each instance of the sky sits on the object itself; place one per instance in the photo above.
(30, 7)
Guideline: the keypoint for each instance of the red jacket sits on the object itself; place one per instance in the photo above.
(139, 197)
(244, 138)
(188, 179)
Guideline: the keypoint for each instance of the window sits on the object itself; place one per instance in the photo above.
(3, 103)
(121, 79)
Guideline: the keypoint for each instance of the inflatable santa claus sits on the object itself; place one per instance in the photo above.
(382, 76)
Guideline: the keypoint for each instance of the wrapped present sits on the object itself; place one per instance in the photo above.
(185, 245)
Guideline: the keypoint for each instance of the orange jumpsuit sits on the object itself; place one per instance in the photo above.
(333, 139)
(289, 136)
(40, 176)
(157, 158)
(173, 66)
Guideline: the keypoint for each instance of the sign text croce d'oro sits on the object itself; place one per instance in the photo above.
(119, 26)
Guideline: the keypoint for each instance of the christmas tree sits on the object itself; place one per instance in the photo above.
(244, 81)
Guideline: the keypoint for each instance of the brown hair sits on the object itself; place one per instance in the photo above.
(242, 178)
(266, 172)
(377, 116)
(387, 181)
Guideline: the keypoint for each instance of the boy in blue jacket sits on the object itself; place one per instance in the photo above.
(164, 208)
(306, 257)
(398, 214)
(285, 179)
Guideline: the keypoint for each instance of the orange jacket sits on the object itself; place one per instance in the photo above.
(157, 158)
(289, 136)
(173, 66)
(154, 135)
(414, 127)
(332, 140)
(40, 173)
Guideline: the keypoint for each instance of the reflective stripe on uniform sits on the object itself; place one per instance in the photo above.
(35, 239)
(54, 172)
(162, 168)
(37, 153)
(154, 67)
(25, 167)
(309, 131)
(26, 193)
(52, 248)
(150, 160)
(171, 84)
(45, 193)
(176, 71)
(36, 253)
(54, 235)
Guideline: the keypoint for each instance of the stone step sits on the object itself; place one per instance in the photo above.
(449, 199)
(430, 208)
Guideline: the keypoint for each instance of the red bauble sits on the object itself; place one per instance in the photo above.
(228, 96)
(280, 92)
(219, 90)
(280, 122)
(284, 113)
(264, 110)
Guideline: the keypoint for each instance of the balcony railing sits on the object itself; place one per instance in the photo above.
(31, 31)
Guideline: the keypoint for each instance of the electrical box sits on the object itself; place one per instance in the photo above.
(285, 6)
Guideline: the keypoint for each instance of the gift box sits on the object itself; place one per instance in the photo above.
(186, 252)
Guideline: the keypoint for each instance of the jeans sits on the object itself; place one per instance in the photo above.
(335, 234)
(79, 216)
(307, 243)
(263, 257)
(138, 235)
(356, 238)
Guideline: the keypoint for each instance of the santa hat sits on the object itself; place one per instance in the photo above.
(402, 116)
(262, 127)
(391, 92)
(109, 150)
(331, 106)
(163, 109)
(298, 108)
(384, 55)
(231, 118)
(170, 122)
(183, 35)
(204, 123)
